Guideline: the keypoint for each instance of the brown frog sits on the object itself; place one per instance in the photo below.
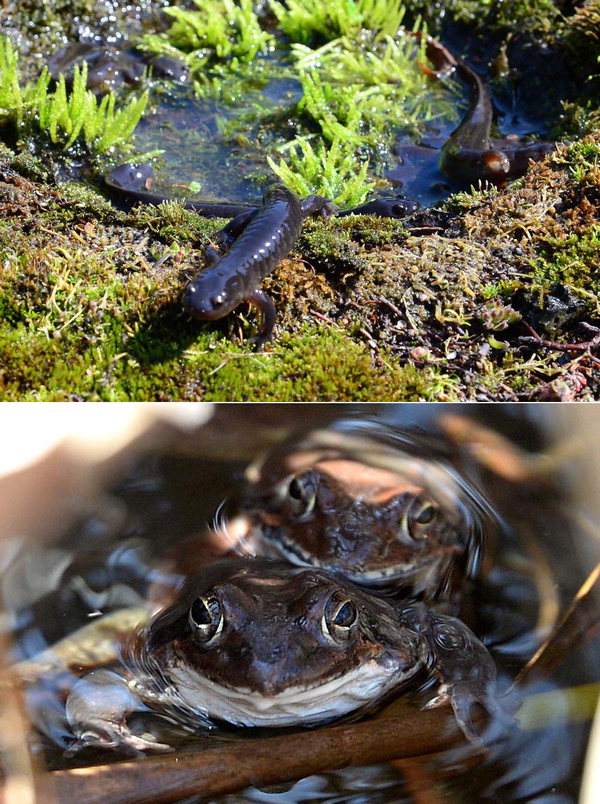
(254, 642)
(392, 532)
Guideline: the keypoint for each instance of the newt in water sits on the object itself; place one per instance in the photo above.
(470, 155)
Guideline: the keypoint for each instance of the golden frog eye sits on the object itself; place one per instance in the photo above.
(302, 494)
(206, 618)
(421, 514)
(339, 617)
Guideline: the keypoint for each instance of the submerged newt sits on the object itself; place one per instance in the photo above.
(109, 67)
(470, 155)
(133, 181)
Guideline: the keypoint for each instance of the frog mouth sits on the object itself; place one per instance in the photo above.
(294, 553)
(298, 704)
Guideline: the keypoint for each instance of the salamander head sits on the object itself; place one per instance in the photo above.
(130, 176)
(209, 296)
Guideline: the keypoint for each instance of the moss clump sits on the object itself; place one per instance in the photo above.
(539, 18)
(302, 20)
(219, 28)
(339, 370)
(64, 117)
(328, 171)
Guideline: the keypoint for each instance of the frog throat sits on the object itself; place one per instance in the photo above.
(329, 699)
(396, 572)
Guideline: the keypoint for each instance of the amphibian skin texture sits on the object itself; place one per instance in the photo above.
(259, 643)
(376, 504)
(109, 67)
(392, 532)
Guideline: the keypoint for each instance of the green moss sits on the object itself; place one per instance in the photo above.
(535, 17)
(329, 170)
(301, 20)
(221, 28)
(316, 365)
(64, 117)
(573, 261)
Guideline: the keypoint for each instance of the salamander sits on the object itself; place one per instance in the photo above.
(132, 181)
(258, 240)
(470, 155)
(109, 67)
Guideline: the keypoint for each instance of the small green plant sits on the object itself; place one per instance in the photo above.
(221, 28)
(65, 116)
(330, 171)
(497, 316)
(368, 115)
(301, 20)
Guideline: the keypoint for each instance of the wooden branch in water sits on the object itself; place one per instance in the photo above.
(234, 766)
(580, 623)
(403, 734)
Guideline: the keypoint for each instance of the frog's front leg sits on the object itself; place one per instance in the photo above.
(97, 709)
(461, 663)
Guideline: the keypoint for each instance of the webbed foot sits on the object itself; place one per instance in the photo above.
(97, 708)
(116, 737)
(465, 670)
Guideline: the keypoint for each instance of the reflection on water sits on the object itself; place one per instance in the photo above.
(162, 508)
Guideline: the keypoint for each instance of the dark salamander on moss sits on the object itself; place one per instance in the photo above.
(257, 241)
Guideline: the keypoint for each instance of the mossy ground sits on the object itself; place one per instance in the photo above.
(442, 306)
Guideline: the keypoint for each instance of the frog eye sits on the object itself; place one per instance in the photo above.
(206, 619)
(339, 617)
(302, 494)
(420, 515)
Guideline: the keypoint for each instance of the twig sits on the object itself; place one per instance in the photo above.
(272, 760)
(531, 340)
(324, 318)
(579, 624)
(387, 303)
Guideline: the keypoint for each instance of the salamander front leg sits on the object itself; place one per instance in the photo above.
(318, 205)
(227, 235)
(266, 309)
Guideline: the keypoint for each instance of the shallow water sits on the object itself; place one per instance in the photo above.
(163, 499)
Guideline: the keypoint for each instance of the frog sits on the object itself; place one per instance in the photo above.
(255, 642)
(372, 503)
(398, 535)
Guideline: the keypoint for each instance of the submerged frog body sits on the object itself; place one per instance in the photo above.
(394, 535)
(259, 643)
